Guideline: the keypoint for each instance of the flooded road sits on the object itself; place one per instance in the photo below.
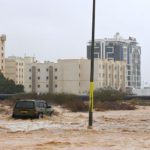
(112, 130)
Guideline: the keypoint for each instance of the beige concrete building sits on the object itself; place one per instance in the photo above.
(73, 76)
(14, 68)
(2, 53)
(38, 77)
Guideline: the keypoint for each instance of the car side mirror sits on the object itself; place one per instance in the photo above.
(49, 106)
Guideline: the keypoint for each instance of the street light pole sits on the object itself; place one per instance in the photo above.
(91, 104)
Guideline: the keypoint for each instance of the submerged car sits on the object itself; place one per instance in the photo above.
(31, 109)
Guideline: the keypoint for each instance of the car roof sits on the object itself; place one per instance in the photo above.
(31, 100)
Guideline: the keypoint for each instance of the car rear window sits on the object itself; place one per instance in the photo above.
(24, 104)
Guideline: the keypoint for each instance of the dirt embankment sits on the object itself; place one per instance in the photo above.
(112, 130)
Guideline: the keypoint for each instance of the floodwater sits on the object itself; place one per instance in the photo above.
(112, 130)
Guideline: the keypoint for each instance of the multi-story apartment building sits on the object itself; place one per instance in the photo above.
(73, 76)
(38, 77)
(2, 53)
(120, 49)
(14, 68)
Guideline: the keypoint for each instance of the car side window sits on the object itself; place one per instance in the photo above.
(38, 105)
(44, 105)
(41, 105)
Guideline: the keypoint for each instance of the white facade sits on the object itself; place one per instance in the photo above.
(38, 77)
(142, 92)
(73, 76)
(2, 53)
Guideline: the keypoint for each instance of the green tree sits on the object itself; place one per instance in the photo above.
(8, 86)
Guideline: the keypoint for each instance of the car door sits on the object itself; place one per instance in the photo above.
(44, 108)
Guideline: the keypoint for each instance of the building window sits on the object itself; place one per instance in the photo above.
(121, 77)
(55, 77)
(2, 48)
(38, 69)
(55, 85)
(103, 67)
(29, 70)
(29, 86)
(55, 69)
(47, 78)
(47, 69)
(104, 84)
(99, 66)
(109, 75)
(38, 78)
(29, 78)
(99, 84)
(38, 86)
(47, 85)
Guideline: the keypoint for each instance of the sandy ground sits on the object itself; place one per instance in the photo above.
(112, 130)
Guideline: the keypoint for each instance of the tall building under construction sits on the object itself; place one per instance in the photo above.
(2, 53)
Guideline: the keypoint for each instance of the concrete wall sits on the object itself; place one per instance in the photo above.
(141, 92)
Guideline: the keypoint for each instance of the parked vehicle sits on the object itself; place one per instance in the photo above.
(31, 109)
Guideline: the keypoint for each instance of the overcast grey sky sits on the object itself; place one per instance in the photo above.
(53, 29)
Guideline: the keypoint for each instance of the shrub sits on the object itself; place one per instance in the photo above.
(101, 106)
(69, 101)
(77, 105)
(140, 102)
(108, 94)
(105, 99)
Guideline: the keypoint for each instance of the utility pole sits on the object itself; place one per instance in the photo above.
(91, 101)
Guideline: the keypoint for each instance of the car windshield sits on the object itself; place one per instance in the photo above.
(24, 104)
